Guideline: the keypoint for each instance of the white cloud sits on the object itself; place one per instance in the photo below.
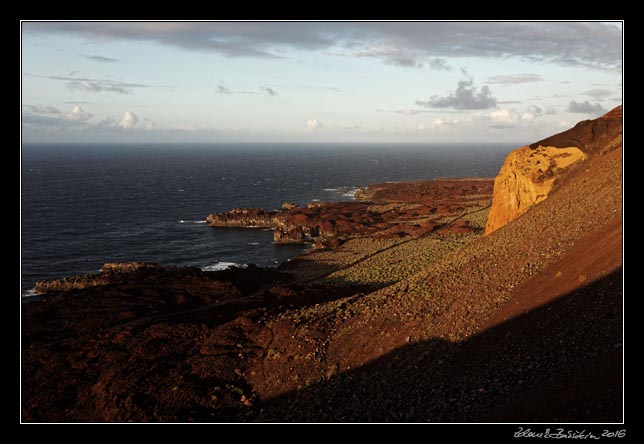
(528, 117)
(129, 120)
(77, 114)
(504, 116)
(439, 123)
(49, 116)
(313, 124)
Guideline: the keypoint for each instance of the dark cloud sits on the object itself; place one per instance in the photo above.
(42, 109)
(100, 59)
(585, 107)
(404, 61)
(514, 79)
(439, 64)
(466, 96)
(221, 89)
(98, 85)
(268, 91)
(589, 44)
(391, 56)
(598, 93)
(74, 72)
(397, 56)
(538, 111)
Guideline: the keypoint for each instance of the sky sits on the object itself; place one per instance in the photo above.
(386, 82)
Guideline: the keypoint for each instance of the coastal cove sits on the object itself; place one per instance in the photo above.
(85, 205)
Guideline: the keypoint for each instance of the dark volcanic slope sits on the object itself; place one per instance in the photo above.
(588, 135)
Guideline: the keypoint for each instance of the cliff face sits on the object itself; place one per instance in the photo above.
(526, 178)
(529, 174)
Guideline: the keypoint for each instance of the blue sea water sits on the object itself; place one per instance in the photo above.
(84, 205)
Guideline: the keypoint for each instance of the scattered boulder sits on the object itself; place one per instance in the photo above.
(290, 235)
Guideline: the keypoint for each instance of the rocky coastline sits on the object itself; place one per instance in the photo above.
(383, 209)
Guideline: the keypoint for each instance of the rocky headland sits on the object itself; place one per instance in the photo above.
(387, 209)
(405, 312)
(529, 174)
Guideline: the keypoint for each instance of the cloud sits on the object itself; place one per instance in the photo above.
(149, 125)
(507, 118)
(52, 116)
(77, 114)
(42, 109)
(503, 118)
(403, 60)
(502, 125)
(268, 91)
(538, 111)
(313, 124)
(97, 85)
(598, 93)
(514, 79)
(440, 122)
(74, 72)
(100, 59)
(466, 96)
(221, 89)
(404, 112)
(439, 64)
(589, 44)
(585, 107)
(408, 112)
(129, 120)
(391, 55)
(397, 56)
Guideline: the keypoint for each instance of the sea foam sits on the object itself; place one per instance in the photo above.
(219, 266)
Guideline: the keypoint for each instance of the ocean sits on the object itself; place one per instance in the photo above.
(83, 205)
